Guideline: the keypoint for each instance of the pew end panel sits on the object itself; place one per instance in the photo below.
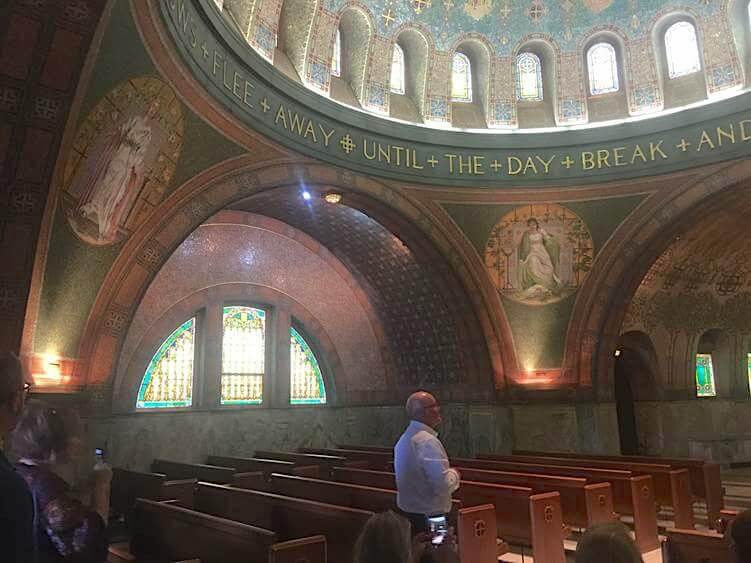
(645, 512)
(303, 550)
(548, 530)
(476, 528)
(682, 499)
(695, 546)
(598, 498)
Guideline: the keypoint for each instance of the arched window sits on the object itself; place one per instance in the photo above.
(748, 356)
(336, 60)
(705, 386)
(682, 49)
(461, 79)
(602, 65)
(306, 381)
(243, 355)
(168, 381)
(528, 77)
(397, 70)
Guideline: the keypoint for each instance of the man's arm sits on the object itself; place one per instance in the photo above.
(435, 464)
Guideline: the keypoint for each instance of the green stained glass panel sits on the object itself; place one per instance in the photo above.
(748, 356)
(306, 385)
(168, 381)
(704, 376)
(243, 355)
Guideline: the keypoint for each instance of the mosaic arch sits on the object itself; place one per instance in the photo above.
(539, 254)
(122, 160)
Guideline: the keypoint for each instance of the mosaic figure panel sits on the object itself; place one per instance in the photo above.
(123, 158)
(539, 254)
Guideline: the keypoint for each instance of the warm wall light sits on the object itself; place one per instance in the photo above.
(617, 353)
(50, 371)
(332, 197)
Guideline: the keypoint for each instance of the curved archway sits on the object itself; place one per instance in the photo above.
(233, 181)
(602, 302)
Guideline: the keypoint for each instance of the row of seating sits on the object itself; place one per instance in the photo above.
(530, 499)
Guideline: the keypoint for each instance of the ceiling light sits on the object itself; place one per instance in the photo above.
(332, 197)
(306, 195)
(617, 353)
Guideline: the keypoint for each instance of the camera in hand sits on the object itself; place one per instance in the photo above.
(438, 528)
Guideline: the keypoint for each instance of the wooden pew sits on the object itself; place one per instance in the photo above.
(129, 485)
(522, 517)
(301, 458)
(705, 477)
(583, 504)
(289, 517)
(166, 532)
(695, 546)
(202, 472)
(632, 494)
(267, 466)
(382, 449)
(672, 487)
(375, 460)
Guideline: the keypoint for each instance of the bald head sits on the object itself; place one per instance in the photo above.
(423, 407)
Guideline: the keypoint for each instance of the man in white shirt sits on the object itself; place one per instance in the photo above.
(424, 480)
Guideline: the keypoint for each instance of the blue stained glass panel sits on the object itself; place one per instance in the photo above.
(306, 385)
(168, 381)
(705, 376)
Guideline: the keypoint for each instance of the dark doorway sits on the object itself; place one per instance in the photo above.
(626, 365)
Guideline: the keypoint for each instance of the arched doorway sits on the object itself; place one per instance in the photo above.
(636, 366)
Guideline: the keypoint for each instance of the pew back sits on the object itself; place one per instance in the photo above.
(289, 517)
(268, 466)
(200, 471)
(695, 546)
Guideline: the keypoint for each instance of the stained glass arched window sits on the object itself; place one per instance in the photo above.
(748, 356)
(528, 77)
(682, 49)
(306, 384)
(602, 64)
(705, 376)
(397, 70)
(336, 60)
(243, 355)
(461, 79)
(168, 381)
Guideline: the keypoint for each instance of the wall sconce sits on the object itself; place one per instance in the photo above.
(617, 353)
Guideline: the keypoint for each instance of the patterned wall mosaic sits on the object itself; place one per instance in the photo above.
(422, 322)
(506, 26)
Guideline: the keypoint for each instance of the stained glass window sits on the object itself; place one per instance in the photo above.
(306, 385)
(336, 60)
(528, 77)
(243, 355)
(168, 381)
(602, 64)
(397, 70)
(682, 49)
(704, 376)
(748, 356)
(461, 79)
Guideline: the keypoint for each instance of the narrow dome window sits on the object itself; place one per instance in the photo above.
(602, 65)
(461, 79)
(682, 49)
(528, 77)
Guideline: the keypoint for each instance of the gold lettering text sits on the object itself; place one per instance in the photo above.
(705, 140)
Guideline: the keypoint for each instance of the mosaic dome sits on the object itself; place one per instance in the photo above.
(456, 63)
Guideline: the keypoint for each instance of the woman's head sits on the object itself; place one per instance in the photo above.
(385, 537)
(532, 223)
(607, 543)
(45, 434)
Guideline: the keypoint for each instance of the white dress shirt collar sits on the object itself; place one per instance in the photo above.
(417, 426)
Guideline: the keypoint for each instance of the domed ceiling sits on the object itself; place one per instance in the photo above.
(506, 22)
